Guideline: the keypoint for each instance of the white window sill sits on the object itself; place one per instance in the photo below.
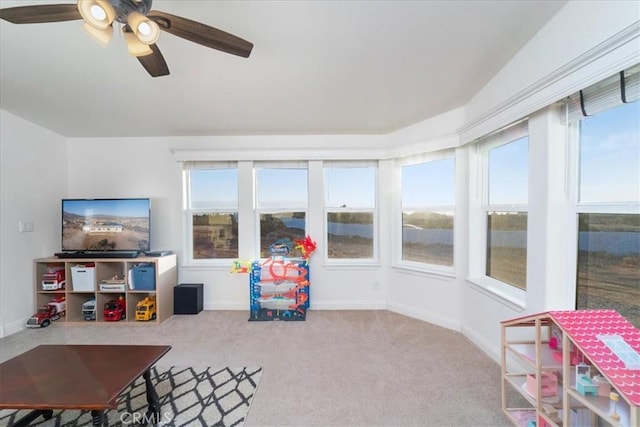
(351, 265)
(503, 293)
(426, 269)
(208, 266)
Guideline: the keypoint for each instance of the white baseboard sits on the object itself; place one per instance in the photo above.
(13, 327)
(479, 341)
(349, 305)
(225, 305)
(436, 319)
(315, 305)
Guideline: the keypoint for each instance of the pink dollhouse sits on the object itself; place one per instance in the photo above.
(588, 363)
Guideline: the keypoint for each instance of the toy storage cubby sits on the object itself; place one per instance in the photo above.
(44, 296)
(590, 357)
(156, 276)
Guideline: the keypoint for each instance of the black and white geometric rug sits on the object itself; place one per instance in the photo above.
(188, 397)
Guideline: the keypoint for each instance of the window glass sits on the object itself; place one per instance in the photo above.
(610, 155)
(213, 213)
(506, 212)
(350, 235)
(609, 263)
(507, 247)
(215, 235)
(213, 188)
(427, 237)
(350, 201)
(281, 206)
(281, 227)
(608, 259)
(509, 173)
(352, 187)
(428, 198)
(429, 184)
(281, 187)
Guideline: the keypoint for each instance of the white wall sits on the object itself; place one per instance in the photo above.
(33, 179)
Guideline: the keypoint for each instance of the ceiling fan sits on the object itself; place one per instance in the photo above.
(140, 25)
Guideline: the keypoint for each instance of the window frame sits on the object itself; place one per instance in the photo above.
(416, 265)
(374, 260)
(189, 211)
(510, 294)
(258, 211)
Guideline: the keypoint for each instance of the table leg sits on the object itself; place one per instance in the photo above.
(153, 413)
(97, 418)
(26, 420)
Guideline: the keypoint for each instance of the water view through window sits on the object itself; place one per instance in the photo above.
(428, 200)
(609, 262)
(506, 250)
(507, 247)
(608, 271)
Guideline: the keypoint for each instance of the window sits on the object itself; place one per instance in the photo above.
(506, 187)
(212, 210)
(608, 214)
(281, 205)
(350, 200)
(428, 199)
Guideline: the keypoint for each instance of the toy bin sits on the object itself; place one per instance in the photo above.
(143, 277)
(83, 277)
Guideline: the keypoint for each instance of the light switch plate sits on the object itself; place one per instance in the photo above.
(25, 226)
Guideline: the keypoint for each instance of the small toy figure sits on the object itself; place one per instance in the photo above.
(45, 315)
(115, 310)
(281, 247)
(585, 386)
(615, 397)
(146, 309)
(238, 266)
(89, 309)
(306, 245)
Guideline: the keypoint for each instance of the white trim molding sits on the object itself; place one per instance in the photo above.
(606, 58)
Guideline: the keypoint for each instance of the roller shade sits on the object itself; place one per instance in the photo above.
(623, 87)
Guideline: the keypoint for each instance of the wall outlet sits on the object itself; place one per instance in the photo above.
(25, 226)
(376, 285)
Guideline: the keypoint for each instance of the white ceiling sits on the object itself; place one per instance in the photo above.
(317, 67)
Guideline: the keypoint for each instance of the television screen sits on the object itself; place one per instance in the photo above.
(106, 224)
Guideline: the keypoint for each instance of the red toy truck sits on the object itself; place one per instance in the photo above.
(115, 310)
(52, 311)
(54, 278)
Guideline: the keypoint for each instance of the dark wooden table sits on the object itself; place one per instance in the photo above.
(88, 377)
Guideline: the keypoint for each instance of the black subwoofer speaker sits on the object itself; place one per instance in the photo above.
(187, 298)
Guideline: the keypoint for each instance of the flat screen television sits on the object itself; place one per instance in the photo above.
(106, 224)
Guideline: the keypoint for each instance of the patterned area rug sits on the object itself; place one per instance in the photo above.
(188, 397)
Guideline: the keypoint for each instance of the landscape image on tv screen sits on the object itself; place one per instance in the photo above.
(105, 224)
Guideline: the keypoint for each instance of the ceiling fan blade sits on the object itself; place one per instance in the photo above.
(40, 13)
(155, 64)
(201, 33)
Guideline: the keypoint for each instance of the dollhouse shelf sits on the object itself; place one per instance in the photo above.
(549, 345)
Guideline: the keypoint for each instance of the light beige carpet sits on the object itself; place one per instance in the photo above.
(337, 368)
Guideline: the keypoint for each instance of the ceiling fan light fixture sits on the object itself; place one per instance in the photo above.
(144, 28)
(102, 36)
(135, 47)
(97, 13)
